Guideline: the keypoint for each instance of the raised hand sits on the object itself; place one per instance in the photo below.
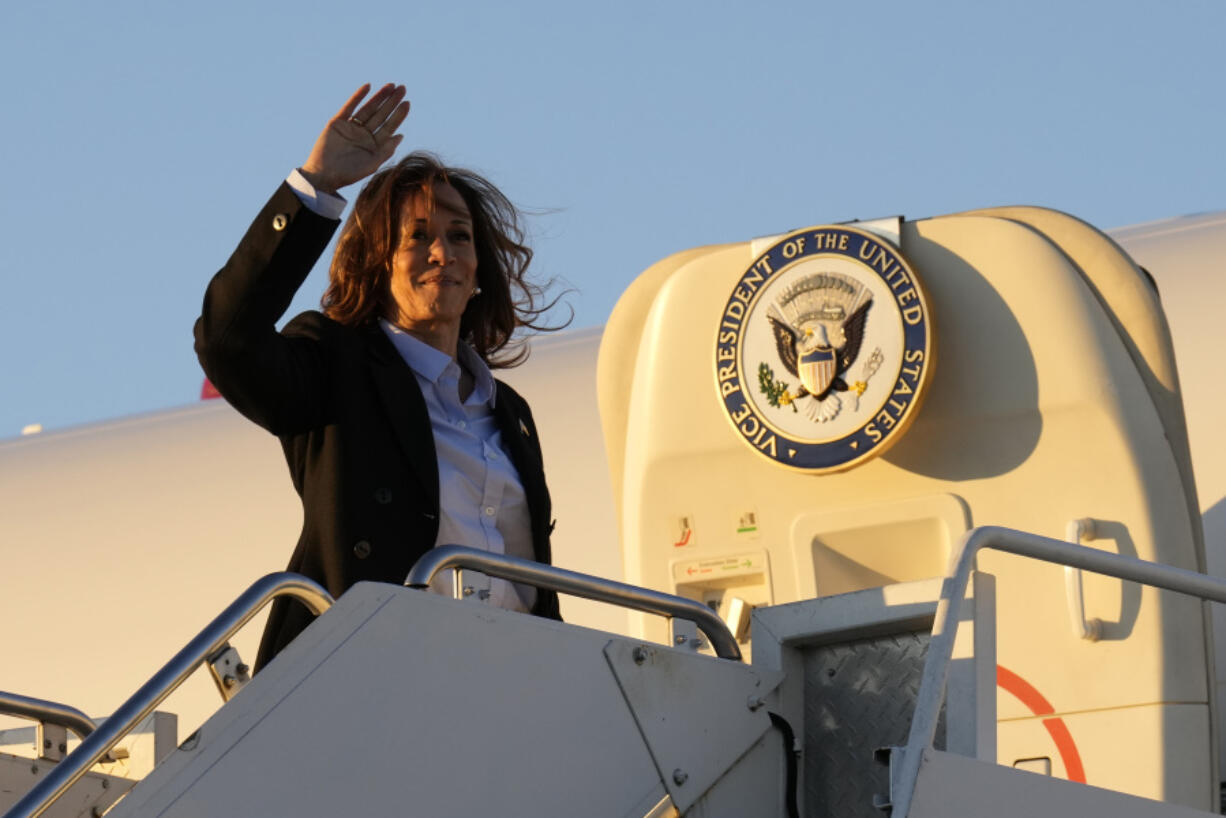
(357, 141)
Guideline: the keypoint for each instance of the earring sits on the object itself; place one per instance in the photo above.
(476, 291)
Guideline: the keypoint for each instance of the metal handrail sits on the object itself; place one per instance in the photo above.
(45, 712)
(56, 713)
(143, 702)
(948, 614)
(576, 584)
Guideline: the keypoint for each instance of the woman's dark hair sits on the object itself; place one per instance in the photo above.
(358, 280)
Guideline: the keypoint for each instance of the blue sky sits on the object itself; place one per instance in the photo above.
(141, 139)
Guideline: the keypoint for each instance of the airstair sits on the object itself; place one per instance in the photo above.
(400, 702)
(828, 637)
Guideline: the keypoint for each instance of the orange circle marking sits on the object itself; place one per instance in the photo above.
(1032, 698)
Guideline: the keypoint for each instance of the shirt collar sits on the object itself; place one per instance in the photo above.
(483, 387)
(431, 363)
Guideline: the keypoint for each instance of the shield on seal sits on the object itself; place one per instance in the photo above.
(817, 369)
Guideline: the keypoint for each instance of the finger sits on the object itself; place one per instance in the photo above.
(346, 110)
(386, 150)
(388, 129)
(387, 106)
(370, 109)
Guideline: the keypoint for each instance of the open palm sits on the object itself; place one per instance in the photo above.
(356, 141)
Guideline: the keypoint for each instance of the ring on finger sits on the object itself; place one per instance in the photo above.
(357, 122)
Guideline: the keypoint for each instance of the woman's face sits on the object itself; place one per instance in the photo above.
(434, 267)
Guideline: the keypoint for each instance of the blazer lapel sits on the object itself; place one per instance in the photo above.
(514, 434)
(523, 449)
(405, 407)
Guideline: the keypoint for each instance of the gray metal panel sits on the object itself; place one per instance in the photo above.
(859, 697)
(952, 785)
(400, 702)
(697, 715)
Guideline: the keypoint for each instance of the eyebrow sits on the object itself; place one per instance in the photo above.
(460, 215)
(460, 220)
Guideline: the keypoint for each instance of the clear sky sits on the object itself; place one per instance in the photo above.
(140, 139)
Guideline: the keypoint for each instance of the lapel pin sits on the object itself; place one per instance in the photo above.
(523, 427)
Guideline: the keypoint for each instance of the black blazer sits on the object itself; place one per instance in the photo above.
(350, 416)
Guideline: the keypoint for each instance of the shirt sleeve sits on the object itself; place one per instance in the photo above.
(328, 205)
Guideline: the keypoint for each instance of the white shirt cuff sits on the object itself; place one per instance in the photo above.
(328, 205)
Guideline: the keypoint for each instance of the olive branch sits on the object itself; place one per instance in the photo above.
(776, 392)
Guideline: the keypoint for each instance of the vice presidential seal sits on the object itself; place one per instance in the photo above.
(824, 349)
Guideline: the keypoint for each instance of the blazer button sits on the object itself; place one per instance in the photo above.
(280, 222)
(361, 549)
(383, 496)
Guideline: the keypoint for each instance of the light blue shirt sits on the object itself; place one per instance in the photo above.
(328, 205)
(481, 499)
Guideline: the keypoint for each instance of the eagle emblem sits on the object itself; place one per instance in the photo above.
(837, 313)
(818, 323)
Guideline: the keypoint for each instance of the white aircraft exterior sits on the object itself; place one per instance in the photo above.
(121, 539)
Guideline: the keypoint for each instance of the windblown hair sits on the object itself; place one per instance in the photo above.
(360, 276)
